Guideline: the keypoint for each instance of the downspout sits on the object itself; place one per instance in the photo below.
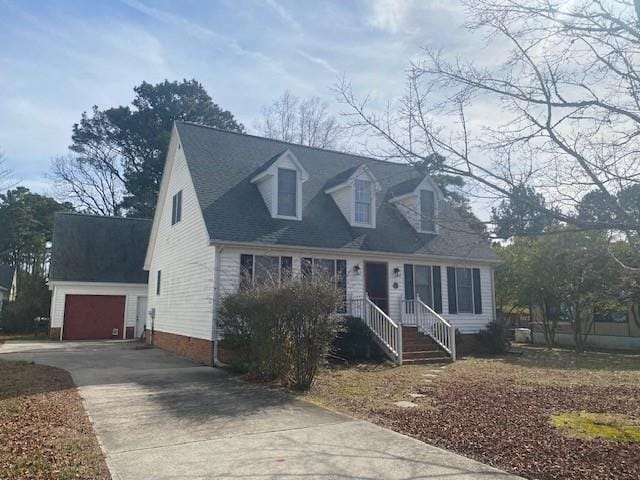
(216, 303)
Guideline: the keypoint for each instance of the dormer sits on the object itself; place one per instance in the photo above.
(418, 200)
(354, 192)
(280, 184)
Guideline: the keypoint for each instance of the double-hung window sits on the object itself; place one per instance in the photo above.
(335, 271)
(464, 290)
(262, 269)
(423, 281)
(363, 202)
(287, 192)
(176, 208)
(427, 211)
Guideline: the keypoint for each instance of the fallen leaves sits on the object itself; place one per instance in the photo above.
(498, 411)
(44, 431)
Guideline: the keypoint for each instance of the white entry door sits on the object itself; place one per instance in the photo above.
(141, 316)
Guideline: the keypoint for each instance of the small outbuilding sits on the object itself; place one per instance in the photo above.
(98, 285)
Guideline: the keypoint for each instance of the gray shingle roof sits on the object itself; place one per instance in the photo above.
(6, 276)
(89, 248)
(222, 164)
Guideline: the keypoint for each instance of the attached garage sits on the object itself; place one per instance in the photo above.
(93, 317)
(99, 288)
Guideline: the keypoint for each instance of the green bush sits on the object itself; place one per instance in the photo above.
(33, 300)
(354, 341)
(494, 338)
(281, 330)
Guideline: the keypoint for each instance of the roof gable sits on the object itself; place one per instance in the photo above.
(222, 165)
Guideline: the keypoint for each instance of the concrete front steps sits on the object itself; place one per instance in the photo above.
(420, 349)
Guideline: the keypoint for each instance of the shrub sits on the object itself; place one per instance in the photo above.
(494, 338)
(354, 341)
(281, 330)
(33, 300)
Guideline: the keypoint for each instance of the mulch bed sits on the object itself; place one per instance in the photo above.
(44, 430)
(507, 424)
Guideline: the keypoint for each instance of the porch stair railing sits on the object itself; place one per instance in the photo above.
(431, 324)
(386, 332)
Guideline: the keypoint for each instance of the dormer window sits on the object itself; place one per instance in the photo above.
(363, 202)
(427, 211)
(287, 192)
(417, 199)
(354, 194)
(279, 182)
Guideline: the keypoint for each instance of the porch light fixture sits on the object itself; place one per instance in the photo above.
(356, 269)
(396, 272)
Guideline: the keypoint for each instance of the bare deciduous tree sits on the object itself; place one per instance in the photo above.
(5, 174)
(558, 110)
(95, 184)
(307, 122)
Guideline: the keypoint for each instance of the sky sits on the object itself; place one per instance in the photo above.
(58, 58)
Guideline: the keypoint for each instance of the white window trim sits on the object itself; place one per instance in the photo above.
(253, 263)
(435, 211)
(274, 193)
(413, 280)
(271, 175)
(355, 223)
(473, 296)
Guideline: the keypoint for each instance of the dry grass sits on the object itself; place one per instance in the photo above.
(44, 430)
(500, 410)
(21, 337)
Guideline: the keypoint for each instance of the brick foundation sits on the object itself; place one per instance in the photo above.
(54, 333)
(196, 349)
(130, 332)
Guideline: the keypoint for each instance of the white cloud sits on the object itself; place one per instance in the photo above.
(285, 15)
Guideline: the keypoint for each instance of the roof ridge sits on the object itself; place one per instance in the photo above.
(109, 217)
(222, 130)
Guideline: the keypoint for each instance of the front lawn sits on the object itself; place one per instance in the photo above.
(44, 430)
(513, 413)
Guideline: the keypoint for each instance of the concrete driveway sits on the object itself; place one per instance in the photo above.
(162, 417)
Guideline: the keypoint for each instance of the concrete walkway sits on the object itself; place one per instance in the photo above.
(161, 417)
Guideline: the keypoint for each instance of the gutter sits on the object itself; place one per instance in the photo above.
(216, 300)
(355, 252)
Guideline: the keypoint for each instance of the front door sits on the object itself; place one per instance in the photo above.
(376, 284)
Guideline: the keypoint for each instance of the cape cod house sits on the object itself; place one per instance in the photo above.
(232, 207)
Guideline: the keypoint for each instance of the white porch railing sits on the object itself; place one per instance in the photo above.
(415, 312)
(387, 332)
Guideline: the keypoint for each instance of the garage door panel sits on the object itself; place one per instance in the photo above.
(93, 317)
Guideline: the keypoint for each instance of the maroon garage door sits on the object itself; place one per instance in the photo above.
(93, 317)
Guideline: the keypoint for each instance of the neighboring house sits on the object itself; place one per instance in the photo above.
(616, 328)
(98, 285)
(233, 207)
(8, 285)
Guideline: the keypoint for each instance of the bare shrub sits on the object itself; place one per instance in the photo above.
(282, 330)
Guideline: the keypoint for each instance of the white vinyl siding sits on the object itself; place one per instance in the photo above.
(185, 304)
(466, 322)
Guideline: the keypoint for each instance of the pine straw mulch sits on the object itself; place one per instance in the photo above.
(498, 411)
(44, 430)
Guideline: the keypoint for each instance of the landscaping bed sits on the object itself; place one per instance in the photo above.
(44, 430)
(502, 411)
